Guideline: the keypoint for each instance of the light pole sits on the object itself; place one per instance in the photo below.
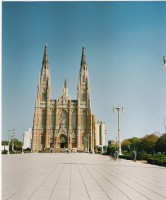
(23, 143)
(165, 125)
(11, 134)
(118, 109)
(164, 67)
(164, 62)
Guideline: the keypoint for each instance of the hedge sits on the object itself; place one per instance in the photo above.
(157, 160)
(140, 156)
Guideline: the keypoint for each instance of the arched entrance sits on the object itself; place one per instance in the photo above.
(63, 141)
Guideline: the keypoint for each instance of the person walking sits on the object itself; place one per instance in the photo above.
(134, 156)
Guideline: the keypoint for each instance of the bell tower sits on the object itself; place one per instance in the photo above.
(84, 109)
(41, 121)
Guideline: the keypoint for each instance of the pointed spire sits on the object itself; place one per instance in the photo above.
(45, 56)
(65, 96)
(65, 89)
(65, 83)
(83, 57)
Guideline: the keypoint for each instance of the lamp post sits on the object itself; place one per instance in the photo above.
(164, 62)
(165, 124)
(118, 109)
(11, 134)
(164, 67)
(23, 143)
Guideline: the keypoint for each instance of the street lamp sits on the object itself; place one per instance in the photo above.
(165, 124)
(23, 143)
(11, 134)
(164, 62)
(164, 67)
(118, 109)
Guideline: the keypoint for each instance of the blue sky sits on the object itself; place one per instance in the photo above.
(124, 41)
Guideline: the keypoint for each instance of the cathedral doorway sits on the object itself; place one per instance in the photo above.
(63, 141)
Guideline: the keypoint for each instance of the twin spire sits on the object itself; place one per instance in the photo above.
(45, 57)
(83, 67)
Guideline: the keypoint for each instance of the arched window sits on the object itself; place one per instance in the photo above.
(44, 95)
(52, 119)
(63, 119)
(83, 95)
(83, 120)
(74, 119)
(43, 119)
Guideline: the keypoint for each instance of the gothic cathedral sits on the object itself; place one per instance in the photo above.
(63, 123)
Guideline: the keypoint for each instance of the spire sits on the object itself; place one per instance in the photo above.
(83, 75)
(65, 83)
(83, 80)
(83, 57)
(45, 56)
(65, 89)
(65, 96)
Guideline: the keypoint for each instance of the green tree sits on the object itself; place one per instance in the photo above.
(135, 144)
(148, 143)
(4, 142)
(111, 149)
(125, 145)
(18, 145)
(160, 145)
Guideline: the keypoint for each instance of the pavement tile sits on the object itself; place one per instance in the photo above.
(79, 176)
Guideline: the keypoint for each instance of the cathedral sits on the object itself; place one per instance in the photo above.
(63, 123)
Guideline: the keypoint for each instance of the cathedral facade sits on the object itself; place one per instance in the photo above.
(63, 122)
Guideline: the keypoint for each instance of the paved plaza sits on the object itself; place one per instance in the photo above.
(79, 176)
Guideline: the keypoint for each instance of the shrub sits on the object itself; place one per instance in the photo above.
(4, 151)
(157, 160)
(140, 156)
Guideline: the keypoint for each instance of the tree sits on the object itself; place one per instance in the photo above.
(160, 145)
(135, 144)
(4, 142)
(111, 149)
(148, 142)
(18, 145)
(126, 145)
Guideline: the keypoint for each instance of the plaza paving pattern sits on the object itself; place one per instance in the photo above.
(79, 176)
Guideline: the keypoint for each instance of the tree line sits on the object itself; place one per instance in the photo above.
(17, 145)
(150, 144)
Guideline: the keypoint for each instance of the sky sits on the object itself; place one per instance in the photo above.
(124, 41)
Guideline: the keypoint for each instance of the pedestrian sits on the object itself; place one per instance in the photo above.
(117, 155)
(134, 156)
(111, 156)
(114, 156)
